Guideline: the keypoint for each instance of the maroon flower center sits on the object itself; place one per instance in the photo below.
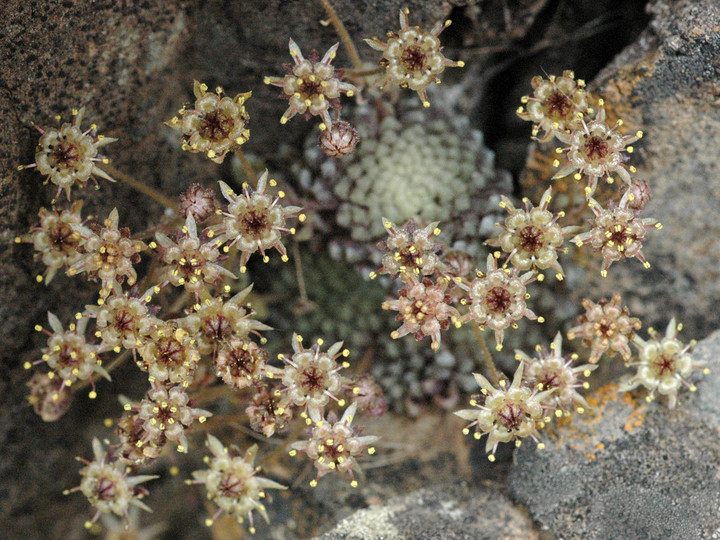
(63, 239)
(232, 486)
(664, 365)
(217, 328)
(124, 322)
(511, 416)
(244, 361)
(549, 380)
(216, 126)
(312, 379)
(254, 222)
(498, 299)
(558, 105)
(413, 58)
(65, 155)
(310, 89)
(596, 148)
(69, 357)
(105, 489)
(619, 235)
(531, 239)
(170, 353)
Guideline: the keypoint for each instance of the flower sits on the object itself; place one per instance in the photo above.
(67, 155)
(664, 364)
(556, 105)
(640, 194)
(506, 413)
(49, 397)
(497, 299)
(217, 320)
(217, 125)
(335, 445)
(532, 237)
(254, 220)
(368, 395)
(122, 321)
(69, 355)
(412, 57)
(340, 140)
(312, 85)
(107, 485)
(605, 327)
(167, 411)
(138, 446)
(231, 482)
(266, 411)
(551, 371)
(617, 232)
(241, 362)
(310, 377)
(58, 237)
(190, 262)
(409, 249)
(169, 355)
(424, 309)
(596, 150)
(109, 254)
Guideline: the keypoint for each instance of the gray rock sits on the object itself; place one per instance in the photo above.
(630, 469)
(451, 512)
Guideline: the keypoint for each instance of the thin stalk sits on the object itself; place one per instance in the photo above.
(344, 36)
(247, 168)
(304, 300)
(142, 188)
(486, 355)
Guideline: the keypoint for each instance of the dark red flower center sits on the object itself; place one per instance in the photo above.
(498, 299)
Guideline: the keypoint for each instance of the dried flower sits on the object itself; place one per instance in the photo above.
(312, 85)
(167, 411)
(412, 57)
(606, 328)
(617, 232)
(231, 482)
(68, 355)
(597, 151)
(409, 249)
(199, 202)
(532, 237)
(664, 364)
(241, 362)
(640, 194)
(368, 395)
(110, 254)
(49, 397)
(217, 125)
(68, 155)
(505, 414)
(556, 105)
(340, 140)
(254, 220)
(497, 299)
(335, 445)
(57, 238)
(551, 371)
(268, 411)
(190, 262)
(424, 308)
(107, 485)
(310, 377)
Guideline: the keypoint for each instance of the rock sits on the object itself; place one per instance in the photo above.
(450, 512)
(666, 84)
(630, 469)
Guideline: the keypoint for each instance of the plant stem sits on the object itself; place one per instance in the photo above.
(247, 168)
(143, 188)
(343, 33)
(486, 354)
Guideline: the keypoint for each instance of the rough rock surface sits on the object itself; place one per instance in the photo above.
(630, 469)
(456, 512)
(667, 84)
